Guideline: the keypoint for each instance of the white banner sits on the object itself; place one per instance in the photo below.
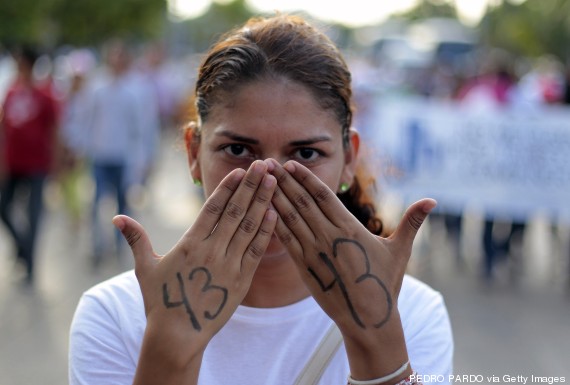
(504, 162)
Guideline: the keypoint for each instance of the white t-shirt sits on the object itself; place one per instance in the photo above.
(258, 346)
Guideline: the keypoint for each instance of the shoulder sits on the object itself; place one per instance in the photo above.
(112, 301)
(113, 310)
(106, 331)
(419, 304)
(120, 288)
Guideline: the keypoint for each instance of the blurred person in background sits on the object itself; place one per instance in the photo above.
(157, 69)
(114, 130)
(7, 71)
(545, 84)
(566, 102)
(74, 137)
(491, 88)
(566, 87)
(490, 91)
(28, 145)
(542, 85)
(144, 85)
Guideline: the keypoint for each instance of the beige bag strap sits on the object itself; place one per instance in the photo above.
(312, 372)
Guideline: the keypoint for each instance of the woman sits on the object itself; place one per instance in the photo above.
(274, 257)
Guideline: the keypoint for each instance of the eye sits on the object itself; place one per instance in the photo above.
(307, 154)
(237, 150)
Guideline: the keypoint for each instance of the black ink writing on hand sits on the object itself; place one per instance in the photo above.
(366, 275)
(185, 301)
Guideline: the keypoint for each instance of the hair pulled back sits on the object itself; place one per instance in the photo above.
(285, 46)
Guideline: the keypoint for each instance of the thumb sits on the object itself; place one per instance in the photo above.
(136, 237)
(412, 220)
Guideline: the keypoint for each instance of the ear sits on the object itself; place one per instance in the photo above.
(192, 141)
(350, 157)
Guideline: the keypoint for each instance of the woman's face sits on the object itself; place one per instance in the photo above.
(277, 119)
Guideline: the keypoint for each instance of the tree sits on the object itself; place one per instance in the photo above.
(23, 21)
(532, 28)
(426, 9)
(93, 21)
(49, 23)
(220, 17)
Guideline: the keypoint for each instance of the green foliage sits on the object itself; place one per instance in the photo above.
(55, 22)
(430, 8)
(533, 28)
(22, 21)
(93, 21)
(202, 31)
(219, 18)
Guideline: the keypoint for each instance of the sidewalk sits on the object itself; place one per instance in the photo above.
(499, 330)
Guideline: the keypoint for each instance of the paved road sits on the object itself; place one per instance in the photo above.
(501, 330)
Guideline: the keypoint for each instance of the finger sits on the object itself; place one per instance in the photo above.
(210, 214)
(250, 224)
(138, 240)
(288, 239)
(259, 244)
(239, 203)
(292, 219)
(323, 196)
(411, 222)
(298, 195)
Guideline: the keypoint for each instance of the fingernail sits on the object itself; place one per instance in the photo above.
(118, 222)
(270, 215)
(289, 166)
(269, 181)
(270, 164)
(238, 175)
(427, 208)
(259, 166)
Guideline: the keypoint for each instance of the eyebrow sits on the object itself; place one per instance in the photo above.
(237, 137)
(309, 141)
(245, 139)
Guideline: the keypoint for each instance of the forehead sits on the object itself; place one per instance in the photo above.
(276, 106)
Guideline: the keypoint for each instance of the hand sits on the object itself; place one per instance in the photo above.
(354, 275)
(192, 291)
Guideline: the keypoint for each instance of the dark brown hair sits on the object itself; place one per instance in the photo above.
(286, 46)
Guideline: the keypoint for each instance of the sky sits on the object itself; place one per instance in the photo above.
(354, 13)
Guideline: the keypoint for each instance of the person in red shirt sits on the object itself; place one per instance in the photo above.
(27, 147)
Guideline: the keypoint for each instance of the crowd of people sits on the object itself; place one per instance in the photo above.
(498, 85)
(81, 113)
(487, 80)
(107, 109)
